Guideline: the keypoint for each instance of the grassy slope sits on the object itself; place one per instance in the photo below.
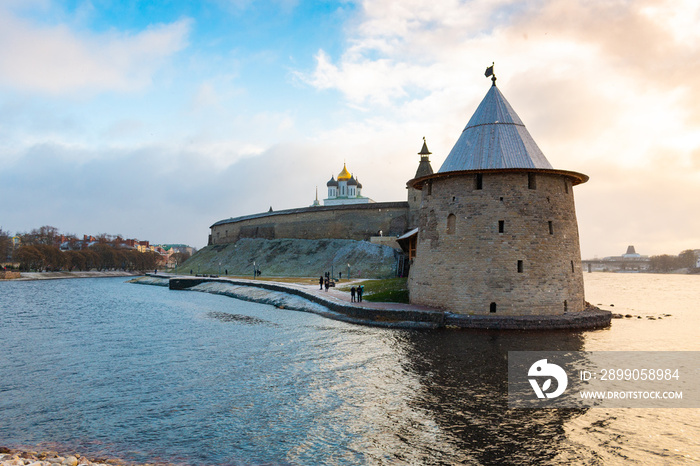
(393, 290)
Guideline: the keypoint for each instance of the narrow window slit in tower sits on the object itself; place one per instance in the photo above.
(451, 222)
(566, 187)
(520, 266)
(501, 226)
(572, 266)
(531, 181)
(492, 307)
(551, 228)
(479, 181)
(566, 306)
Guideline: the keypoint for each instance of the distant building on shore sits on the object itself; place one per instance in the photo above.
(630, 261)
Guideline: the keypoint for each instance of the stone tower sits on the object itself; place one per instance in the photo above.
(414, 195)
(497, 224)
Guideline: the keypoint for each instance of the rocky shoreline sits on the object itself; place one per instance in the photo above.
(26, 457)
(24, 276)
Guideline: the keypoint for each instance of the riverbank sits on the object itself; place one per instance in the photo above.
(83, 274)
(337, 304)
(27, 457)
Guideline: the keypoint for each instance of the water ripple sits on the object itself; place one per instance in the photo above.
(145, 373)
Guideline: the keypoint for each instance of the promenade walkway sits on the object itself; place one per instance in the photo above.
(335, 295)
(404, 315)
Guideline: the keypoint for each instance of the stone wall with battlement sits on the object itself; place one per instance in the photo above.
(506, 244)
(355, 221)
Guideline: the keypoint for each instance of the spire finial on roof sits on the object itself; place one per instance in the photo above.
(424, 152)
(490, 72)
(424, 168)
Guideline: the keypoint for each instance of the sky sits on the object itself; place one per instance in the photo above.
(156, 119)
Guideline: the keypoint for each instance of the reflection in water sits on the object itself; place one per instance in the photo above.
(464, 379)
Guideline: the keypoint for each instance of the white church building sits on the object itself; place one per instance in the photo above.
(344, 190)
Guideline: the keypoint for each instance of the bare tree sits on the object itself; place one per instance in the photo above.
(29, 258)
(44, 235)
(5, 246)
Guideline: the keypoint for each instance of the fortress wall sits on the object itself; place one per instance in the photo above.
(466, 266)
(357, 222)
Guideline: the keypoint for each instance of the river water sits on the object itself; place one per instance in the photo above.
(147, 374)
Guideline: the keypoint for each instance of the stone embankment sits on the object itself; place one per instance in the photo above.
(11, 457)
(336, 305)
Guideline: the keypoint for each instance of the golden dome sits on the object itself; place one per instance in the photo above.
(344, 175)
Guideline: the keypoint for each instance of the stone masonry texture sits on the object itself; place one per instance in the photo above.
(509, 248)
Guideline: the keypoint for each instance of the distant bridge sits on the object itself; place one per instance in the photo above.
(616, 265)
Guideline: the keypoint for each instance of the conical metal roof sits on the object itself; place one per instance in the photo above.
(494, 138)
(424, 150)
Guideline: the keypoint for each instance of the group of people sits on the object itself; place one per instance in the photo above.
(355, 292)
(325, 281)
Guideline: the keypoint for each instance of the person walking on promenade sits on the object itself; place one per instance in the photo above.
(327, 284)
(352, 294)
(360, 290)
(320, 283)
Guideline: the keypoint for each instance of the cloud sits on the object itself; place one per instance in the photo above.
(649, 207)
(156, 192)
(605, 88)
(58, 60)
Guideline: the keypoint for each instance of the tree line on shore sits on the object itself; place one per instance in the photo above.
(667, 263)
(40, 250)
